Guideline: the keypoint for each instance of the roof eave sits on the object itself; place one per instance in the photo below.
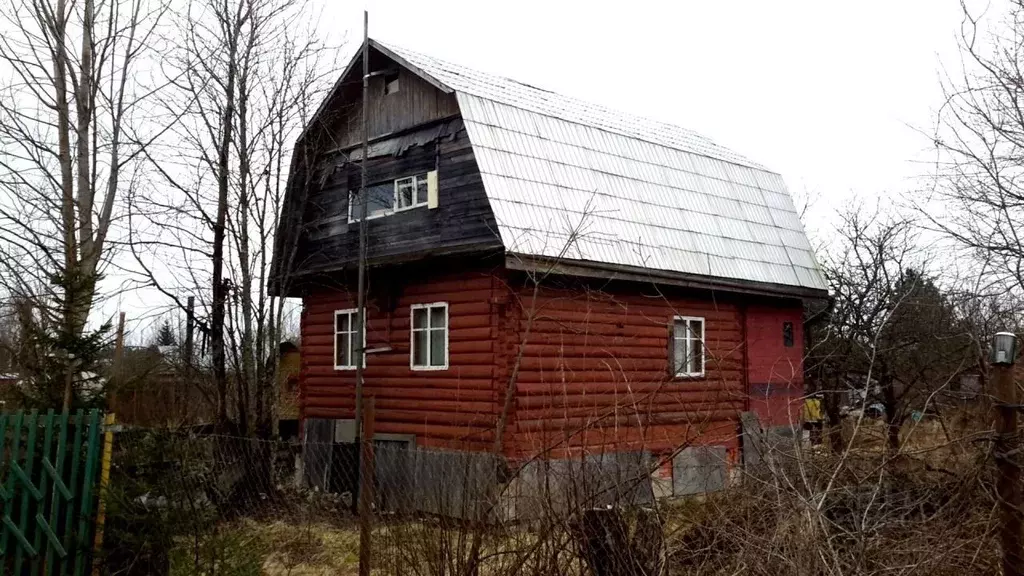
(592, 269)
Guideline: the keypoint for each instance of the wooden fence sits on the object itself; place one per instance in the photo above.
(49, 469)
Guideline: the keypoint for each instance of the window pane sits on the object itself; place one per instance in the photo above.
(679, 355)
(419, 318)
(679, 329)
(341, 322)
(342, 350)
(696, 356)
(380, 200)
(419, 348)
(696, 329)
(438, 317)
(405, 192)
(421, 189)
(437, 347)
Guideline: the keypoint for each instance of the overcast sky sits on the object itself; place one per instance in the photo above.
(834, 96)
(830, 94)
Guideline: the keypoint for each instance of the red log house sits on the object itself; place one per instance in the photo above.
(581, 278)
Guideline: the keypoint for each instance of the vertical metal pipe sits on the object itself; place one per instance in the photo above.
(360, 350)
(366, 468)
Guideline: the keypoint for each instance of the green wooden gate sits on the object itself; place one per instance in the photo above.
(48, 470)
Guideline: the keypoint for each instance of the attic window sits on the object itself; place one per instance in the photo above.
(787, 334)
(380, 201)
(391, 83)
(392, 196)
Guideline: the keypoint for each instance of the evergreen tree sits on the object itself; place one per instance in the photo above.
(165, 336)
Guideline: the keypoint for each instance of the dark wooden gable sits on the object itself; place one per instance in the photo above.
(412, 130)
(415, 102)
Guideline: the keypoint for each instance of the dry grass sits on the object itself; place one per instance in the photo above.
(250, 547)
(927, 510)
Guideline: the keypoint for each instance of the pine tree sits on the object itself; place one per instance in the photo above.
(165, 336)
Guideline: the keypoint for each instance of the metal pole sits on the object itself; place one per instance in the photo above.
(366, 470)
(118, 364)
(361, 283)
(182, 400)
(1008, 482)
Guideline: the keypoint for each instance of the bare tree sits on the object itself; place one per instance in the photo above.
(246, 81)
(74, 97)
(978, 198)
(893, 333)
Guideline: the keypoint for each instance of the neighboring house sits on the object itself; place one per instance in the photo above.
(639, 284)
(288, 366)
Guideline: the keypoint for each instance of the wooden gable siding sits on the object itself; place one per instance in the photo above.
(453, 408)
(416, 102)
(594, 372)
(462, 222)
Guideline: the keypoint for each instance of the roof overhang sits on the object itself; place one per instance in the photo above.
(591, 269)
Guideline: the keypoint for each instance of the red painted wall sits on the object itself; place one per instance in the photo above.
(452, 408)
(775, 372)
(590, 362)
(594, 373)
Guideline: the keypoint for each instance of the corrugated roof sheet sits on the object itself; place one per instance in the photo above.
(572, 179)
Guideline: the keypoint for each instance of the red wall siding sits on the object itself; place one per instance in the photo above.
(591, 368)
(775, 371)
(452, 408)
(594, 373)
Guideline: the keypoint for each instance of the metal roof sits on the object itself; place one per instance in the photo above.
(575, 180)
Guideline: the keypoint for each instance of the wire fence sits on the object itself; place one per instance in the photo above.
(181, 503)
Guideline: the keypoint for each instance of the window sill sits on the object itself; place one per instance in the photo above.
(690, 377)
(391, 213)
(428, 368)
(345, 368)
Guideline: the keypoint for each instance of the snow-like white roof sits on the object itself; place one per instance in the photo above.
(574, 180)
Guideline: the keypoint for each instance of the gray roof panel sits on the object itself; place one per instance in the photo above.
(637, 192)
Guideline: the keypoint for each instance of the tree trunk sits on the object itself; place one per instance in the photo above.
(831, 400)
(60, 64)
(219, 304)
(892, 418)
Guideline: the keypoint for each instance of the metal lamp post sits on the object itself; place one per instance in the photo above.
(1002, 357)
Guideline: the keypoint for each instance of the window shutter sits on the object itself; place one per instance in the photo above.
(432, 189)
(671, 349)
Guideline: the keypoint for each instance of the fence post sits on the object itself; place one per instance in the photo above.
(366, 482)
(1004, 352)
(101, 510)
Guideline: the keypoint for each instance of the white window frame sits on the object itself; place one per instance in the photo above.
(419, 203)
(685, 341)
(413, 331)
(354, 312)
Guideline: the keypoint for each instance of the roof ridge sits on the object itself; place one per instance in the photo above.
(440, 68)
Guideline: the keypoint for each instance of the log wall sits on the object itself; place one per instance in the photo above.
(453, 408)
(590, 363)
(595, 372)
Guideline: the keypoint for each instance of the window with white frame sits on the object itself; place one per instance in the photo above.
(411, 192)
(380, 201)
(346, 341)
(429, 337)
(389, 197)
(688, 346)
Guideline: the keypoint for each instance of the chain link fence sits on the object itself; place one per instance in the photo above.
(181, 503)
